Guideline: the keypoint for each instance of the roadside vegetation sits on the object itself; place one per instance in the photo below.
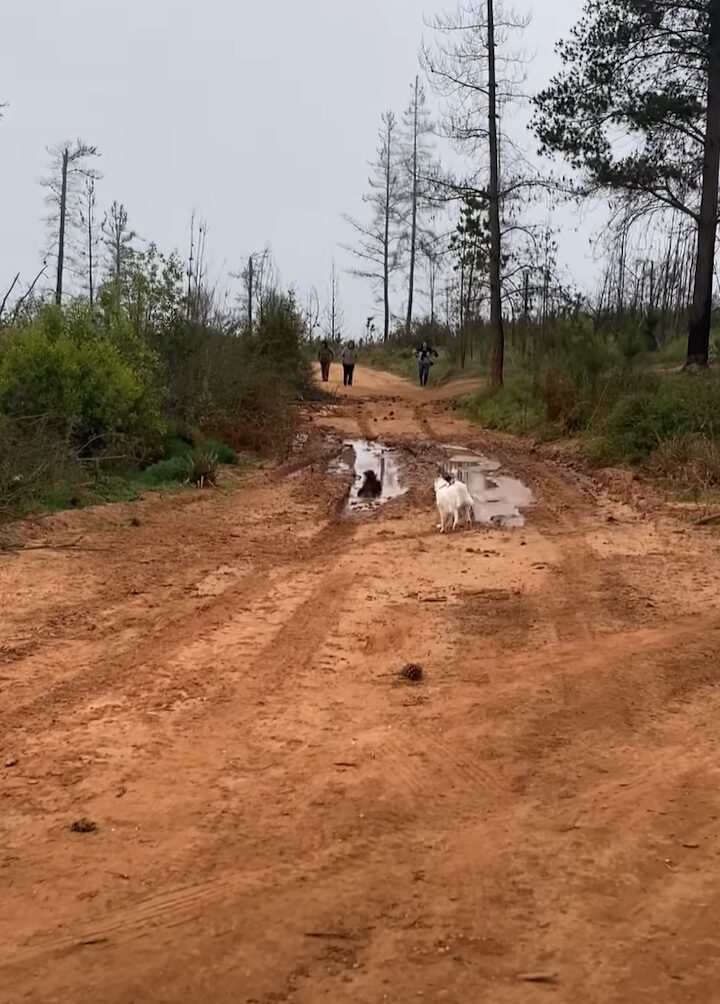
(146, 387)
(465, 224)
(607, 381)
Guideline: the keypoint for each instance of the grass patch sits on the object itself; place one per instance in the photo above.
(510, 409)
(679, 408)
(672, 353)
(172, 470)
(81, 485)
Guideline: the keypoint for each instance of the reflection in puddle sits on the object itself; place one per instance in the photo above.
(360, 456)
(498, 499)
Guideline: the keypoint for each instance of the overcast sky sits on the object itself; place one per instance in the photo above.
(259, 115)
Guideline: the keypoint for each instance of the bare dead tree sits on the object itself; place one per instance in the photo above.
(334, 316)
(89, 246)
(416, 156)
(198, 305)
(259, 278)
(311, 312)
(471, 65)
(118, 239)
(378, 246)
(70, 166)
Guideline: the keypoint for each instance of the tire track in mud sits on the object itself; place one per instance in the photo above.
(577, 607)
(275, 671)
(158, 637)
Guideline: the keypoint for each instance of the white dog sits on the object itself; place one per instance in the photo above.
(454, 502)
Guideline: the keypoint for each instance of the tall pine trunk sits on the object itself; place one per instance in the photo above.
(90, 239)
(700, 312)
(386, 237)
(413, 211)
(495, 264)
(61, 229)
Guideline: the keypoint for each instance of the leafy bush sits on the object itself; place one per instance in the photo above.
(238, 387)
(182, 446)
(195, 466)
(223, 453)
(82, 387)
(279, 342)
(171, 469)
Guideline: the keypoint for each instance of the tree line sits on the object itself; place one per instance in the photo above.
(632, 117)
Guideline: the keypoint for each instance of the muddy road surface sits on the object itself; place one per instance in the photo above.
(207, 684)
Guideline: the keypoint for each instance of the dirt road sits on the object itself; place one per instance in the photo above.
(209, 678)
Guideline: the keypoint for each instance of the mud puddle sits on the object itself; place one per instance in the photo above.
(499, 500)
(363, 459)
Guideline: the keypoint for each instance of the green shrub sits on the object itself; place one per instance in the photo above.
(171, 470)
(196, 466)
(223, 453)
(666, 408)
(83, 388)
(183, 447)
(279, 342)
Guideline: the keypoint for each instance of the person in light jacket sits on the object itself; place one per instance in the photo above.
(349, 358)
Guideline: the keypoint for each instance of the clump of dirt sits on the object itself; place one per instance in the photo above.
(84, 826)
(412, 673)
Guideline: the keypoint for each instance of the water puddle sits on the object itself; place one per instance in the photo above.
(498, 499)
(376, 474)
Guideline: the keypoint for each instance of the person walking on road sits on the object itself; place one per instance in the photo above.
(425, 356)
(325, 358)
(349, 358)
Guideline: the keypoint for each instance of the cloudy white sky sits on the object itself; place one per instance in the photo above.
(260, 116)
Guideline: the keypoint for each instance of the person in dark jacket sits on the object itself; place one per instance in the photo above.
(325, 358)
(425, 356)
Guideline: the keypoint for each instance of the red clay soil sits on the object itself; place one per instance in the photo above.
(271, 815)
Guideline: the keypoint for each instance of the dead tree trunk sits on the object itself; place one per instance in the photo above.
(63, 221)
(495, 263)
(386, 237)
(250, 292)
(90, 196)
(413, 208)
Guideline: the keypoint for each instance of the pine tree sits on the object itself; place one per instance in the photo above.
(636, 109)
